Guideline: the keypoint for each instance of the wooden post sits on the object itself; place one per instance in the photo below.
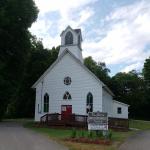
(47, 119)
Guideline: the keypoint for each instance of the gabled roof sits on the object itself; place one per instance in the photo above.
(68, 27)
(80, 63)
(121, 103)
(77, 31)
(108, 90)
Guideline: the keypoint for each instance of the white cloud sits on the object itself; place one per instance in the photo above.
(85, 15)
(68, 10)
(63, 6)
(123, 39)
(37, 28)
(127, 37)
(136, 66)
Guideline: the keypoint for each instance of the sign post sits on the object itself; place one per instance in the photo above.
(97, 121)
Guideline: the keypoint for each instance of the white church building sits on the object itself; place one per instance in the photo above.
(69, 87)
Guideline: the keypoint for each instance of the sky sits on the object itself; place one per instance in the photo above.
(116, 32)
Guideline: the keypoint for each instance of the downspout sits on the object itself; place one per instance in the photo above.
(41, 96)
(102, 98)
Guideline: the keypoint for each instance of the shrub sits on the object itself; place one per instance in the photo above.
(73, 133)
(99, 134)
(81, 134)
(108, 134)
(90, 134)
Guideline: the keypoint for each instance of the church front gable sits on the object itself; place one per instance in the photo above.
(68, 83)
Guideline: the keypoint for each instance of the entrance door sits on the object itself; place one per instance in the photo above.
(66, 111)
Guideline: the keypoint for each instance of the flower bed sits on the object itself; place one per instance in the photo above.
(90, 141)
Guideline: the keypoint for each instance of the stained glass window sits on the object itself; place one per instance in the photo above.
(89, 102)
(67, 96)
(67, 80)
(46, 103)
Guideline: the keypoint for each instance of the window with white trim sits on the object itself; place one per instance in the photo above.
(119, 110)
(67, 96)
(89, 103)
(46, 103)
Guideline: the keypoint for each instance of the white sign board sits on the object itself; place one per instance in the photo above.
(97, 121)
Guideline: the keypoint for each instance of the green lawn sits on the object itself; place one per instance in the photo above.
(65, 133)
(59, 134)
(51, 132)
(140, 124)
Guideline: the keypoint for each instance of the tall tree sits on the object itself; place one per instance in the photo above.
(40, 59)
(16, 16)
(146, 72)
(99, 69)
(129, 88)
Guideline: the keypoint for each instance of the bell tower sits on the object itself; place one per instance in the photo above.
(71, 39)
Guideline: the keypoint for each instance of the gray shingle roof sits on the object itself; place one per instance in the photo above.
(77, 30)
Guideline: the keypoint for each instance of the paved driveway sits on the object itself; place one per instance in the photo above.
(140, 141)
(14, 137)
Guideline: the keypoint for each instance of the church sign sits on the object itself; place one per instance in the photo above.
(97, 121)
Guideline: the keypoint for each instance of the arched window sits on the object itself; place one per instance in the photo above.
(68, 38)
(89, 103)
(67, 96)
(46, 102)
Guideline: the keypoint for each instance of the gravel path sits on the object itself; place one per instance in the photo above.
(140, 141)
(14, 137)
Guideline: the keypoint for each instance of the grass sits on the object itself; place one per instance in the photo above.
(139, 124)
(51, 132)
(81, 146)
(120, 136)
(59, 134)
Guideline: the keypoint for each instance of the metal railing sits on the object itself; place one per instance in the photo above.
(73, 119)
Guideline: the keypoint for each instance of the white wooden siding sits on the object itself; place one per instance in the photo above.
(38, 101)
(124, 109)
(107, 103)
(82, 83)
(74, 49)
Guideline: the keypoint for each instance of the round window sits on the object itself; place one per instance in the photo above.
(67, 80)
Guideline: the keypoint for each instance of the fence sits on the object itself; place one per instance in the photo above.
(81, 121)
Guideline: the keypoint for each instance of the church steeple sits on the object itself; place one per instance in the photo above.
(72, 39)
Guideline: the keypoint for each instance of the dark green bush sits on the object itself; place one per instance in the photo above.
(73, 133)
(90, 134)
(81, 134)
(108, 134)
(99, 134)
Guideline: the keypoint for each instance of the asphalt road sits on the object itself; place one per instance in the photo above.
(140, 141)
(14, 137)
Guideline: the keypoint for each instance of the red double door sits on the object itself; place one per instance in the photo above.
(66, 111)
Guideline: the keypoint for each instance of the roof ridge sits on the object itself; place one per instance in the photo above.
(77, 60)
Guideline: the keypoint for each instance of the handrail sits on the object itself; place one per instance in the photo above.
(57, 116)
